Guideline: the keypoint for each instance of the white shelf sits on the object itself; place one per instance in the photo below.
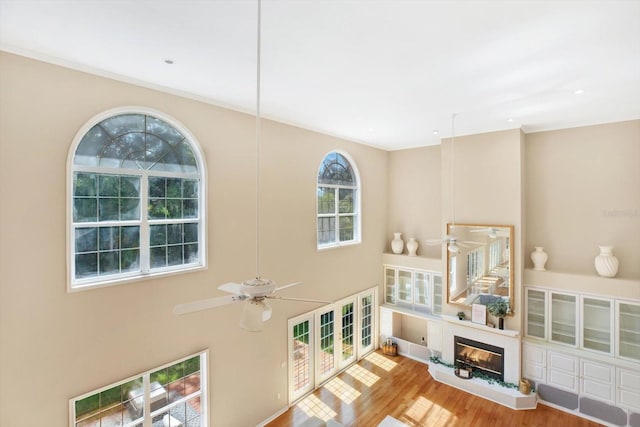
(416, 262)
(616, 287)
(470, 324)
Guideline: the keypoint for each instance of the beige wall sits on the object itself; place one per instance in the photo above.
(488, 190)
(582, 191)
(414, 197)
(56, 345)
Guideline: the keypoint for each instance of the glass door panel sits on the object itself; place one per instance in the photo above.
(405, 293)
(422, 289)
(597, 324)
(326, 333)
(563, 318)
(629, 330)
(437, 294)
(390, 285)
(536, 313)
(301, 355)
(347, 334)
(366, 323)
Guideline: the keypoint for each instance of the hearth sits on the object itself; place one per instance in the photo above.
(478, 356)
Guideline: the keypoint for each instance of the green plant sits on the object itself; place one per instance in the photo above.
(500, 308)
(461, 315)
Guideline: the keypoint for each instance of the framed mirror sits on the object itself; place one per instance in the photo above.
(481, 272)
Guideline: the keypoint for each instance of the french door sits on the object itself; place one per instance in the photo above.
(301, 356)
(323, 342)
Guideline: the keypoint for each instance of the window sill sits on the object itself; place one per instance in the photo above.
(131, 279)
(339, 245)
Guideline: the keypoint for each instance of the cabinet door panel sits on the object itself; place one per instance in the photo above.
(598, 380)
(629, 399)
(563, 380)
(563, 362)
(534, 371)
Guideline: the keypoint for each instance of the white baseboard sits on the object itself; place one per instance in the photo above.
(273, 417)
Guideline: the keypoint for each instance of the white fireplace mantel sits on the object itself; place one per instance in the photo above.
(509, 340)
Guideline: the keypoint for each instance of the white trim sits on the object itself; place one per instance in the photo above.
(357, 203)
(203, 393)
(101, 281)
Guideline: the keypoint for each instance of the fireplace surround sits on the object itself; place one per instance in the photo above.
(474, 356)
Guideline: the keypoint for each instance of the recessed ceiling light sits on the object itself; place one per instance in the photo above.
(579, 92)
(510, 119)
(168, 61)
(435, 132)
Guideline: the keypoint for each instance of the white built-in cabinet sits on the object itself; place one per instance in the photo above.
(410, 315)
(588, 322)
(574, 371)
(584, 344)
(417, 290)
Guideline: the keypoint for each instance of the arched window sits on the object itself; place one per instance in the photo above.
(338, 205)
(136, 199)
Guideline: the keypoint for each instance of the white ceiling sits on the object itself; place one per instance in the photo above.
(381, 72)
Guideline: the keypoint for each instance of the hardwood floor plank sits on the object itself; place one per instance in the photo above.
(407, 392)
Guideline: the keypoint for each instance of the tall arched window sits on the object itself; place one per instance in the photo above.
(338, 204)
(136, 199)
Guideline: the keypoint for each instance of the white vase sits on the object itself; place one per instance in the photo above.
(397, 244)
(606, 263)
(539, 258)
(412, 246)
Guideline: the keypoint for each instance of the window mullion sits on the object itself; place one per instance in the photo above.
(144, 224)
(336, 208)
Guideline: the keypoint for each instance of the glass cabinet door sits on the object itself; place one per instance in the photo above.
(422, 291)
(390, 285)
(536, 313)
(629, 330)
(597, 324)
(437, 294)
(563, 318)
(405, 291)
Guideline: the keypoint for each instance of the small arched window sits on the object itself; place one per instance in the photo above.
(136, 200)
(338, 214)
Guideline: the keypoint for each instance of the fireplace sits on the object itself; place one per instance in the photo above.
(477, 356)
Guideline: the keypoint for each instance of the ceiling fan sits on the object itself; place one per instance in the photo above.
(492, 232)
(253, 292)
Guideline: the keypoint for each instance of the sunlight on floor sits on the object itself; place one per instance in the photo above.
(314, 407)
(381, 361)
(363, 375)
(342, 390)
(418, 411)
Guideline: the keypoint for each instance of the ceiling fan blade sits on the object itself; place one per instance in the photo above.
(191, 307)
(288, 286)
(252, 313)
(232, 288)
(297, 299)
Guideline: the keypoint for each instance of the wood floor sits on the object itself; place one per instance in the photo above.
(382, 385)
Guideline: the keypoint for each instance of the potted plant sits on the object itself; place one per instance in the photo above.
(461, 315)
(499, 309)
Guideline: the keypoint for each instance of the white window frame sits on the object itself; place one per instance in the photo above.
(357, 189)
(144, 223)
(148, 414)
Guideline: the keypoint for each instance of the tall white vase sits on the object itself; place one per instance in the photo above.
(397, 244)
(412, 246)
(539, 258)
(606, 263)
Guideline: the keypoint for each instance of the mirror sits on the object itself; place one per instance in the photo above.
(482, 270)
